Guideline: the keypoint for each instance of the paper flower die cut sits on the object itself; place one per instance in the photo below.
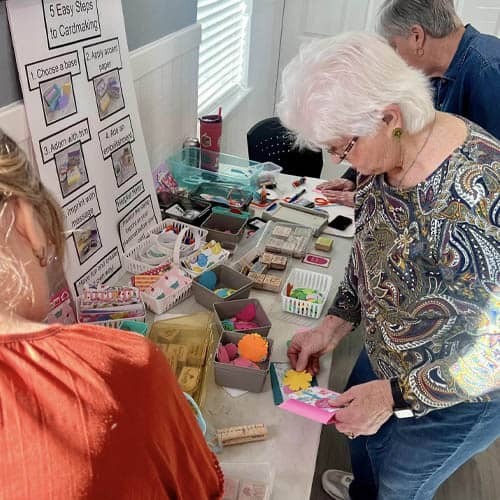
(297, 380)
(253, 347)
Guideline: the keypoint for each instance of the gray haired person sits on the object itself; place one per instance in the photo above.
(462, 63)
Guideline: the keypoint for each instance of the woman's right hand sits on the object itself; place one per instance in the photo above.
(307, 346)
(337, 185)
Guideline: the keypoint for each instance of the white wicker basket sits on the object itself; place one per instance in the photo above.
(223, 257)
(300, 278)
(163, 305)
(198, 234)
(111, 323)
(133, 263)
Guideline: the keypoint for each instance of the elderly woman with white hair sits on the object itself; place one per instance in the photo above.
(424, 273)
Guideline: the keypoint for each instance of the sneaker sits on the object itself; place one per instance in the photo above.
(336, 483)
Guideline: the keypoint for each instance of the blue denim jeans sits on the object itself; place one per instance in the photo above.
(410, 458)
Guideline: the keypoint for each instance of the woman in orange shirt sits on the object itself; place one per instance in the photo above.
(85, 411)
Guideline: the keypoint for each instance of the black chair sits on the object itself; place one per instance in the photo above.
(269, 140)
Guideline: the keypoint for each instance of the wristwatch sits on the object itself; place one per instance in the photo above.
(401, 408)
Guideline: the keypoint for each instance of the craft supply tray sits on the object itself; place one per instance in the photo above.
(224, 228)
(301, 278)
(231, 169)
(223, 195)
(287, 239)
(239, 474)
(195, 334)
(187, 203)
(246, 379)
(226, 278)
(226, 310)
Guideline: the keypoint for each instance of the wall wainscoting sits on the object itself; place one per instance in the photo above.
(165, 76)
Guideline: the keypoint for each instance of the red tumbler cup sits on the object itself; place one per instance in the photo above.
(210, 135)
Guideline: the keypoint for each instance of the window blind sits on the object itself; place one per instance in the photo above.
(223, 50)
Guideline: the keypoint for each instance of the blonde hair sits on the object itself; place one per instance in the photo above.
(339, 87)
(18, 179)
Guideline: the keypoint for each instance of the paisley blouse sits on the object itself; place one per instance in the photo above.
(424, 278)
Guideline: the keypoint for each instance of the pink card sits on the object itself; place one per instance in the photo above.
(313, 404)
(316, 260)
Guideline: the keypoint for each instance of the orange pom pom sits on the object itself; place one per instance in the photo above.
(253, 347)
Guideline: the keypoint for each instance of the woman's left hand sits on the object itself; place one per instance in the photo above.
(364, 408)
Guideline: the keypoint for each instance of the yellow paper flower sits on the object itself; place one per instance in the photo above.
(297, 381)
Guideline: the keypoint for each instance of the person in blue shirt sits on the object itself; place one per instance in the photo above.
(463, 64)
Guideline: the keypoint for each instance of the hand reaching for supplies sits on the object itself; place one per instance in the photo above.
(364, 408)
(341, 191)
(337, 185)
(345, 198)
(307, 347)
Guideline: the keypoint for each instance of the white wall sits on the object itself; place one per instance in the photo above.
(165, 77)
(262, 74)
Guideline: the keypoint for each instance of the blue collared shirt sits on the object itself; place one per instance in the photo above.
(471, 85)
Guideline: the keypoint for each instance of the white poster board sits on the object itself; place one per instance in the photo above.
(74, 69)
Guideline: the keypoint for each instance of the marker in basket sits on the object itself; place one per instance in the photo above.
(295, 197)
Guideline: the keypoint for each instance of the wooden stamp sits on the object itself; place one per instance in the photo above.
(189, 378)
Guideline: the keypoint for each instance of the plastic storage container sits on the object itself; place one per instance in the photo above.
(226, 278)
(246, 379)
(229, 169)
(224, 228)
(269, 173)
(135, 326)
(258, 477)
(187, 342)
(183, 208)
(226, 310)
(163, 301)
(223, 195)
(299, 278)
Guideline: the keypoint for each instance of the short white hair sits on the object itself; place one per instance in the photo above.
(339, 87)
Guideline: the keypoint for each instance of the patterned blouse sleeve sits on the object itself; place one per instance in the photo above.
(346, 303)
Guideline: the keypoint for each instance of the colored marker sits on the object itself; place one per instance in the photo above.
(271, 207)
(295, 197)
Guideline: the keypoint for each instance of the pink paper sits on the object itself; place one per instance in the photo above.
(312, 403)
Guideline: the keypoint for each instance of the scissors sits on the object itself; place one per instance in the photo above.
(321, 202)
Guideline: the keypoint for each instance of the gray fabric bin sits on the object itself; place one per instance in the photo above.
(217, 224)
(226, 278)
(226, 310)
(246, 379)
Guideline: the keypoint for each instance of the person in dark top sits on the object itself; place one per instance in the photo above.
(463, 64)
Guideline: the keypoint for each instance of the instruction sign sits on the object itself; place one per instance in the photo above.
(79, 96)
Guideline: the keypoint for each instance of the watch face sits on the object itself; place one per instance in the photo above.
(404, 413)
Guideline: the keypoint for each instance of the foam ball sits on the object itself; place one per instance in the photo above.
(254, 347)
(247, 313)
(222, 355)
(232, 351)
(228, 325)
(244, 363)
(223, 293)
(208, 280)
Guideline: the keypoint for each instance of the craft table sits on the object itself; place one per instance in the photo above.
(292, 445)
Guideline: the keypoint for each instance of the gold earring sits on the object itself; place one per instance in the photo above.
(41, 255)
(397, 132)
(420, 52)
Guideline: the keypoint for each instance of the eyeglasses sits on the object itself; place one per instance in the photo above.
(347, 149)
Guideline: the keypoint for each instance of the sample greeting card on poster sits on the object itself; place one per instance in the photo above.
(74, 69)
